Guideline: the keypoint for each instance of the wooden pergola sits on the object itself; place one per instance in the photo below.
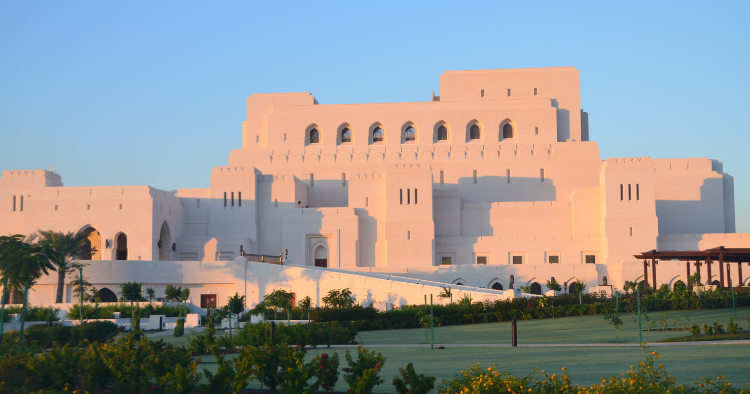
(698, 258)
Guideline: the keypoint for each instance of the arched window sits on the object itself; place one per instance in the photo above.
(321, 257)
(573, 288)
(442, 133)
(679, 286)
(122, 247)
(497, 286)
(459, 284)
(165, 242)
(314, 136)
(474, 132)
(508, 131)
(377, 135)
(107, 295)
(536, 288)
(93, 241)
(410, 134)
(346, 135)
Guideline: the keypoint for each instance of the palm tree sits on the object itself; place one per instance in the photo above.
(24, 262)
(68, 247)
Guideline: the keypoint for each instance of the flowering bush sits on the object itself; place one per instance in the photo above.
(362, 374)
(413, 383)
(327, 371)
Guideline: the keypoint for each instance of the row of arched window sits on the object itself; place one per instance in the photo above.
(410, 133)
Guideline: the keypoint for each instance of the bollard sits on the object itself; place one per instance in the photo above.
(273, 330)
(514, 328)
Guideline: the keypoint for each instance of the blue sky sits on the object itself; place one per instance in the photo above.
(124, 93)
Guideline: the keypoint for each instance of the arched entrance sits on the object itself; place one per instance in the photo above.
(93, 241)
(107, 295)
(121, 253)
(321, 256)
(165, 242)
(679, 286)
(497, 286)
(572, 288)
(536, 288)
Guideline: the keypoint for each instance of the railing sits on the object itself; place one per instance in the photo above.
(270, 259)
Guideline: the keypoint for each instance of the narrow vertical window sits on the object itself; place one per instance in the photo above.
(88, 206)
(629, 196)
(367, 202)
(198, 203)
(56, 207)
(621, 195)
(408, 196)
(631, 231)
(239, 198)
(14, 203)
(343, 179)
(120, 206)
(481, 94)
(275, 202)
(475, 176)
(225, 199)
(284, 136)
(442, 177)
(637, 191)
(408, 235)
(534, 91)
(401, 196)
(232, 198)
(257, 139)
(21, 203)
(415, 196)
(541, 174)
(312, 179)
(507, 176)
(536, 130)
(508, 92)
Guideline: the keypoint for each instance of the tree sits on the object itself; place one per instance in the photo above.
(339, 299)
(184, 296)
(75, 284)
(552, 284)
(579, 286)
(151, 294)
(69, 246)
(172, 293)
(279, 299)
(23, 262)
(306, 304)
(235, 306)
(131, 291)
(446, 293)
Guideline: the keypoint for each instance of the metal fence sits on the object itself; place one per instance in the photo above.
(264, 258)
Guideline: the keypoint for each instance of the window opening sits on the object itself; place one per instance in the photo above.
(442, 177)
(239, 199)
(120, 206)
(14, 203)
(637, 191)
(508, 131)
(284, 136)
(536, 130)
(55, 207)
(377, 135)
(475, 176)
(629, 197)
(415, 196)
(541, 174)
(497, 286)
(367, 202)
(553, 259)
(621, 195)
(312, 179)
(408, 196)
(314, 136)
(481, 260)
(343, 179)
(401, 196)
(257, 139)
(507, 176)
(534, 91)
(88, 206)
(481, 94)
(590, 259)
(232, 198)
(198, 203)
(225, 199)
(508, 92)
(474, 132)
(275, 202)
(21, 203)
(631, 231)
(517, 259)
(408, 235)
(346, 135)
(411, 134)
(445, 260)
(442, 133)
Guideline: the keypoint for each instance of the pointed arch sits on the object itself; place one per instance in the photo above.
(508, 131)
(344, 134)
(474, 131)
(497, 282)
(320, 254)
(120, 247)
(165, 242)
(312, 134)
(107, 295)
(376, 133)
(441, 132)
(94, 240)
(459, 282)
(409, 133)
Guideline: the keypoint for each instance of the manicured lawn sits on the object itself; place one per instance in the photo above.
(586, 364)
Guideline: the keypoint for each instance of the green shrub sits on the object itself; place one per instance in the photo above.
(179, 328)
(732, 326)
(327, 371)
(97, 331)
(362, 374)
(413, 383)
(695, 330)
(221, 382)
(322, 315)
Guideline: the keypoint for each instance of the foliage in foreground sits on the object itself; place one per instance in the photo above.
(646, 377)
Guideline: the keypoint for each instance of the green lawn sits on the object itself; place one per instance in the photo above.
(586, 364)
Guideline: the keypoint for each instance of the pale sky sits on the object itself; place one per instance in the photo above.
(132, 93)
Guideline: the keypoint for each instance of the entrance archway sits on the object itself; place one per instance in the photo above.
(536, 288)
(93, 240)
(165, 242)
(121, 253)
(321, 256)
(497, 286)
(107, 295)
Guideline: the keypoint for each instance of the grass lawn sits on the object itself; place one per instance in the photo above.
(586, 364)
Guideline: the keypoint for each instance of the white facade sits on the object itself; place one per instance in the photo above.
(496, 177)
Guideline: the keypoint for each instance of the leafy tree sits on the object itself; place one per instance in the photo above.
(75, 285)
(68, 247)
(362, 374)
(413, 383)
(695, 280)
(525, 289)
(279, 299)
(22, 261)
(172, 293)
(446, 293)
(552, 284)
(184, 296)
(306, 304)
(131, 291)
(151, 294)
(339, 299)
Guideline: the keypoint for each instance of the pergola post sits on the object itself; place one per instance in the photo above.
(739, 268)
(689, 287)
(721, 271)
(698, 271)
(708, 266)
(645, 274)
(654, 262)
